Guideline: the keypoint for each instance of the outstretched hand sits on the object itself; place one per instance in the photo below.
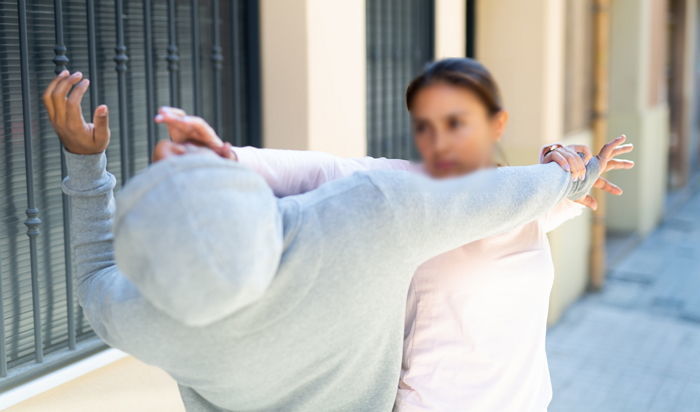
(607, 158)
(62, 99)
(574, 158)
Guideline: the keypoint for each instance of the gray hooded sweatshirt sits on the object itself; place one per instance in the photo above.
(254, 303)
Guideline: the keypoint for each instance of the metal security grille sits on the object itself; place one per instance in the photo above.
(399, 43)
(138, 54)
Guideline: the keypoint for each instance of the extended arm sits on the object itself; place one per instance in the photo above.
(109, 300)
(428, 217)
(291, 172)
(102, 290)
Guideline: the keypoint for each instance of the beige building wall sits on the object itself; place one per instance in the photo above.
(643, 118)
(314, 75)
(450, 25)
(522, 44)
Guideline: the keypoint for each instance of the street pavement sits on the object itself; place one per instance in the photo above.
(635, 346)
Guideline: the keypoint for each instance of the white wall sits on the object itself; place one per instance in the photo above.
(313, 60)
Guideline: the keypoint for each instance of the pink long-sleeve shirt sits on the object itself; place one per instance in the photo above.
(476, 316)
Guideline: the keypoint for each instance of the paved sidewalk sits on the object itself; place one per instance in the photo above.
(635, 346)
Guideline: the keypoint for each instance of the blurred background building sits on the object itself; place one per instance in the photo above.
(323, 75)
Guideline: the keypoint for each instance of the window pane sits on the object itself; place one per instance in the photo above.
(399, 44)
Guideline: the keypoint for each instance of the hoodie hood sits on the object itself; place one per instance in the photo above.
(199, 236)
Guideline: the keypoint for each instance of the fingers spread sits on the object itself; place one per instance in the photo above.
(625, 148)
(616, 164)
(607, 151)
(605, 185)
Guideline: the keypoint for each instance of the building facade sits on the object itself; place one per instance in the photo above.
(324, 75)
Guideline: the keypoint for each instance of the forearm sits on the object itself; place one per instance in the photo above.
(432, 217)
(99, 285)
(292, 172)
(90, 188)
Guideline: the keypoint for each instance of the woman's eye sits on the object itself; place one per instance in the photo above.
(419, 128)
(455, 124)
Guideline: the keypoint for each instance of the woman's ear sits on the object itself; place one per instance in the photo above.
(500, 121)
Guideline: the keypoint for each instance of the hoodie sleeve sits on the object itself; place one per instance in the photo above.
(109, 300)
(428, 217)
(293, 172)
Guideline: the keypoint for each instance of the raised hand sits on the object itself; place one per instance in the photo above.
(607, 157)
(188, 131)
(573, 158)
(184, 128)
(62, 99)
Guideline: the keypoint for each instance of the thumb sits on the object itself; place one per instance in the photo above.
(100, 121)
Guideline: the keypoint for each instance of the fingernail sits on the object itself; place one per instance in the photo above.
(159, 118)
(64, 73)
(77, 74)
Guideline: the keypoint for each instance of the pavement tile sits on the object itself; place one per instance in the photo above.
(635, 345)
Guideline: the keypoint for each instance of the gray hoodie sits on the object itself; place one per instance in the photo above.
(254, 303)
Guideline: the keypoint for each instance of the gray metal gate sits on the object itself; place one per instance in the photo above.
(400, 37)
(138, 55)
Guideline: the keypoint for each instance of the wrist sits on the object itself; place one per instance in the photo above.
(84, 169)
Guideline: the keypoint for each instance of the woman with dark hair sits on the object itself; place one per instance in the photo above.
(476, 316)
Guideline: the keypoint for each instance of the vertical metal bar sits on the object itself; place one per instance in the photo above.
(471, 29)
(391, 55)
(236, 133)
(150, 77)
(3, 354)
(94, 91)
(196, 83)
(380, 107)
(173, 57)
(120, 58)
(399, 141)
(217, 59)
(253, 81)
(92, 55)
(409, 75)
(32, 212)
(6, 94)
(61, 61)
(370, 46)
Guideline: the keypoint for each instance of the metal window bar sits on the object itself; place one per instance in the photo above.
(61, 61)
(471, 29)
(41, 325)
(399, 43)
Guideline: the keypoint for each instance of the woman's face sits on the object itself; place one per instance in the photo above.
(454, 132)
